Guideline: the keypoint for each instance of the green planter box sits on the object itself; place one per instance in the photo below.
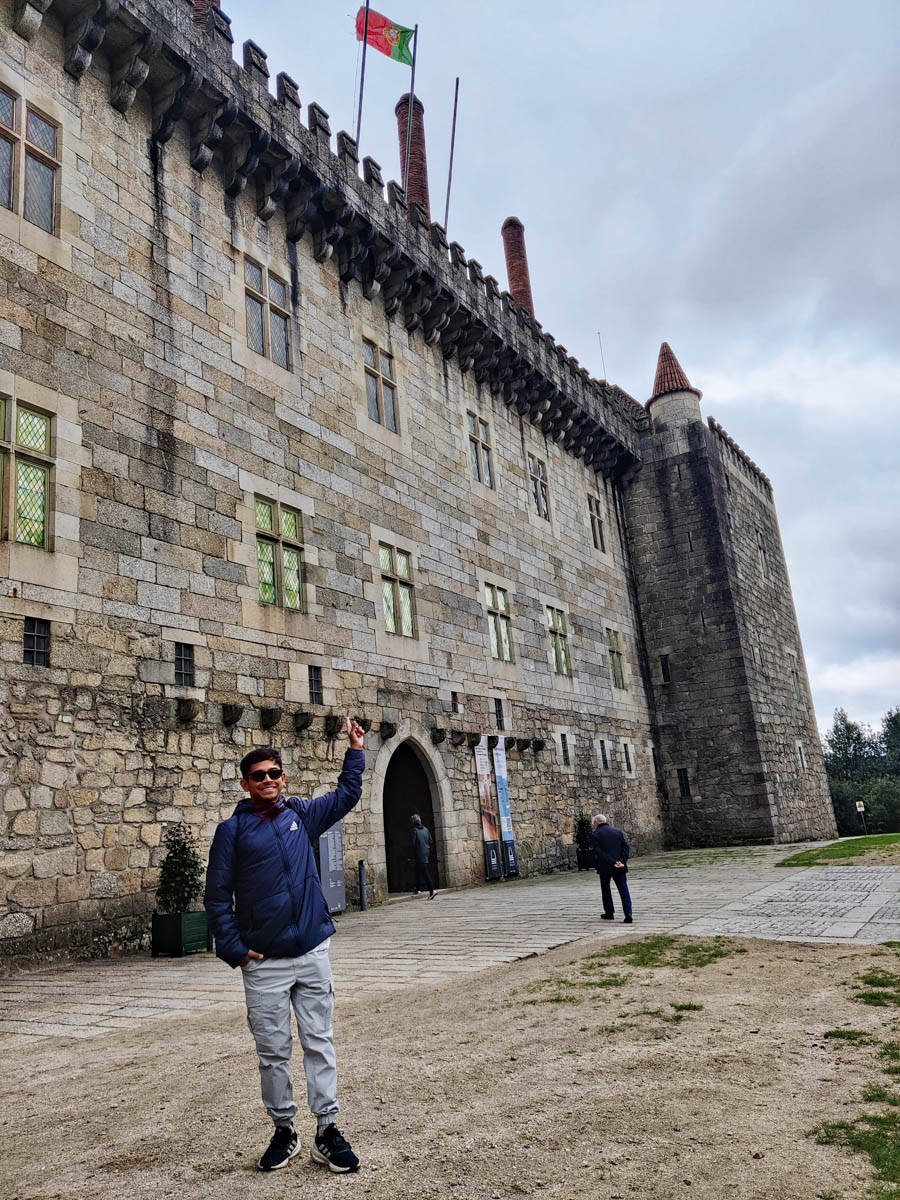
(177, 934)
(586, 860)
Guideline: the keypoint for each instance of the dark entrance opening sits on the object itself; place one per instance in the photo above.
(406, 790)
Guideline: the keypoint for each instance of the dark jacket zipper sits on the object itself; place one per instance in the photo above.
(287, 875)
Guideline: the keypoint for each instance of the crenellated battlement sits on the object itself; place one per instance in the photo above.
(741, 457)
(258, 139)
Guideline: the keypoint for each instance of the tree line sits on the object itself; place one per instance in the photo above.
(863, 763)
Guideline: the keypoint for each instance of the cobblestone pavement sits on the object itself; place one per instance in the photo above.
(403, 943)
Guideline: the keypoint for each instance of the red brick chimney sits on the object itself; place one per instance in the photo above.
(517, 263)
(417, 184)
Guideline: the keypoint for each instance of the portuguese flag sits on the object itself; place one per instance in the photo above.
(384, 35)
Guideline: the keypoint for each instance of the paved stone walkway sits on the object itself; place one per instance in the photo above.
(404, 943)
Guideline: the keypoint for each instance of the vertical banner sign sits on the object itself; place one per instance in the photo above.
(510, 862)
(331, 865)
(490, 824)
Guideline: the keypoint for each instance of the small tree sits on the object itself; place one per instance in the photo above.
(583, 831)
(181, 876)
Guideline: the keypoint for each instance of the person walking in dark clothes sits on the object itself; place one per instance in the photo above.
(612, 853)
(421, 849)
(270, 918)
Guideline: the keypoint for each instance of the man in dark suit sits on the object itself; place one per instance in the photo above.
(612, 852)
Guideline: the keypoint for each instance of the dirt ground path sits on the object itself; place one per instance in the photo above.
(523, 1080)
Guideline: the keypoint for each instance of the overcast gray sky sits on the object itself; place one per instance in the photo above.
(721, 176)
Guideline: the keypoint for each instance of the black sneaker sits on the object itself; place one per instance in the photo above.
(628, 921)
(332, 1150)
(282, 1148)
(607, 917)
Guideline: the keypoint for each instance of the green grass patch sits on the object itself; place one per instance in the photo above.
(877, 1093)
(666, 950)
(848, 848)
(874, 1134)
(857, 1036)
(687, 1007)
(877, 977)
(879, 999)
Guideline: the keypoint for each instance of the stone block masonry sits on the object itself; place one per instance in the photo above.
(258, 374)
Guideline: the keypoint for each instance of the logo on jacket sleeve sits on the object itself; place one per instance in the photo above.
(294, 826)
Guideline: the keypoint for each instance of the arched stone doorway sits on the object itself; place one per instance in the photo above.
(407, 789)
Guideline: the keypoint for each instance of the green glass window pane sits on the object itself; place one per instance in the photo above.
(33, 430)
(486, 471)
(505, 640)
(560, 620)
(265, 515)
(387, 366)
(492, 627)
(253, 275)
(41, 134)
(484, 431)
(255, 334)
(564, 656)
(265, 556)
(372, 398)
(290, 524)
(386, 557)
(618, 679)
(387, 596)
(476, 466)
(404, 568)
(406, 610)
(7, 110)
(489, 595)
(368, 354)
(551, 620)
(39, 193)
(277, 292)
(390, 408)
(278, 339)
(612, 639)
(501, 600)
(6, 174)
(472, 423)
(292, 572)
(31, 504)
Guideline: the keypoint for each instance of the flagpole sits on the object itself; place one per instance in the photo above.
(362, 78)
(452, 148)
(412, 100)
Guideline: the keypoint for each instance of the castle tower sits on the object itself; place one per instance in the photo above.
(739, 753)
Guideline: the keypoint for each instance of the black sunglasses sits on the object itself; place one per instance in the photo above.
(272, 773)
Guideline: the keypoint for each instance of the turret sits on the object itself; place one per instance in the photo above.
(674, 402)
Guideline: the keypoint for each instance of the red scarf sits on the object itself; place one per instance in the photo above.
(267, 811)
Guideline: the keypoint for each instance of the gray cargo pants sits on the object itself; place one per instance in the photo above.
(272, 986)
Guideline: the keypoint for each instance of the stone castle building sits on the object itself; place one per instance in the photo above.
(273, 451)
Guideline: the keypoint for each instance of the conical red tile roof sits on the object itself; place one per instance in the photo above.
(669, 375)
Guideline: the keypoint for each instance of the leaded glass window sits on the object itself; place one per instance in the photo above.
(381, 388)
(268, 317)
(279, 552)
(597, 532)
(41, 167)
(614, 647)
(496, 601)
(25, 474)
(559, 641)
(397, 594)
(32, 430)
(480, 450)
(537, 474)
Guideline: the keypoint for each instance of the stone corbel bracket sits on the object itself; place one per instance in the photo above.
(85, 35)
(208, 134)
(243, 161)
(278, 179)
(173, 101)
(131, 70)
(28, 16)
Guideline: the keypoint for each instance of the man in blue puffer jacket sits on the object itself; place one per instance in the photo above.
(268, 913)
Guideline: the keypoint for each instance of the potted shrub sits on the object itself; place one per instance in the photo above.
(586, 858)
(175, 929)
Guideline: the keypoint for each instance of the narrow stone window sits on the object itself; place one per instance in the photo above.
(684, 783)
(801, 758)
(454, 702)
(537, 474)
(184, 664)
(614, 647)
(381, 386)
(655, 753)
(26, 464)
(665, 672)
(41, 171)
(559, 641)
(316, 695)
(763, 554)
(497, 603)
(627, 752)
(268, 319)
(480, 450)
(36, 643)
(604, 756)
(564, 747)
(397, 594)
(279, 554)
(597, 523)
(498, 714)
(795, 684)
